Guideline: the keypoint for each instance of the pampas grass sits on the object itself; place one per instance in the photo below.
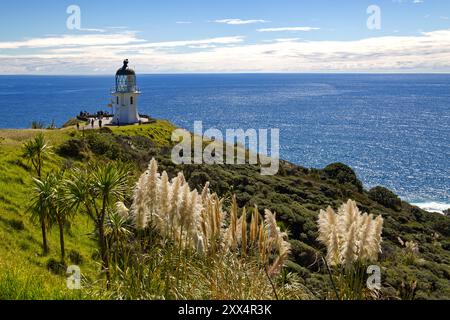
(350, 235)
(353, 241)
(191, 248)
(410, 251)
(198, 222)
(122, 210)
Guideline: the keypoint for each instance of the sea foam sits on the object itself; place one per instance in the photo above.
(438, 207)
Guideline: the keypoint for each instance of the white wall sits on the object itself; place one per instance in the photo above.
(125, 112)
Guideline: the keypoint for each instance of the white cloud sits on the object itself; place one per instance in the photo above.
(73, 40)
(287, 39)
(125, 39)
(82, 54)
(239, 21)
(118, 27)
(202, 46)
(184, 43)
(92, 30)
(283, 29)
(183, 22)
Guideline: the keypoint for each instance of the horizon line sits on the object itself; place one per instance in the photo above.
(234, 73)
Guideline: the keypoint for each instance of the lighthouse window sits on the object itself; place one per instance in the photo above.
(131, 100)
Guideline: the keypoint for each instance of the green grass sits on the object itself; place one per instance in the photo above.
(160, 132)
(23, 268)
(21, 264)
(27, 282)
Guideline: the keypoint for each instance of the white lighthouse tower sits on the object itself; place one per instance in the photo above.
(126, 95)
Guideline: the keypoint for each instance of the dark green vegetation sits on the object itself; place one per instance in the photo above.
(296, 194)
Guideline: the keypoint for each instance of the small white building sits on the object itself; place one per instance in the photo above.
(126, 96)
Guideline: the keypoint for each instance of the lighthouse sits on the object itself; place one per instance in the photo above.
(126, 96)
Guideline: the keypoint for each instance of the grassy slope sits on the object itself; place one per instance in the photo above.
(296, 194)
(23, 271)
(159, 132)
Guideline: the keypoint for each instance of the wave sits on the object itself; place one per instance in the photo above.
(438, 207)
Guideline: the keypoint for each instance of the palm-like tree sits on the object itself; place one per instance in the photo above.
(61, 212)
(48, 206)
(96, 189)
(35, 151)
(41, 207)
(117, 230)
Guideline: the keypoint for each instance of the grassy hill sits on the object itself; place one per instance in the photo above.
(296, 194)
(23, 270)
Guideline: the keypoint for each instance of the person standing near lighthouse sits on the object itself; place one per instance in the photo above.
(126, 96)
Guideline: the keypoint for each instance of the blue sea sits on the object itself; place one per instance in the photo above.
(394, 130)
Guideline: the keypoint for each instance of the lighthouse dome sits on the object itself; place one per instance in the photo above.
(125, 79)
(125, 72)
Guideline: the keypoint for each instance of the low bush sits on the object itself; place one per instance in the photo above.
(342, 174)
(75, 257)
(73, 148)
(56, 267)
(104, 145)
(17, 225)
(37, 125)
(385, 197)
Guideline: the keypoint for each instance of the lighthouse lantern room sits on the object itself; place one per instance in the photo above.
(126, 95)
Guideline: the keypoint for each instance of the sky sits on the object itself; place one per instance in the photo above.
(202, 36)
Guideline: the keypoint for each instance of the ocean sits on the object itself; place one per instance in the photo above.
(394, 130)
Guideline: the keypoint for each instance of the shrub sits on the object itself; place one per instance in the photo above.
(37, 125)
(103, 144)
(410, 251)
(303, 254)
(106, 130)
(116, 147)
(446, 245)
(75, 257)
(385, 197)
(17, 224)
(343, 174)
(199, 179)
(73, 148)
(442, 226)
(56, 267)
(142, 143)
(24, 246)
(52, 125)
